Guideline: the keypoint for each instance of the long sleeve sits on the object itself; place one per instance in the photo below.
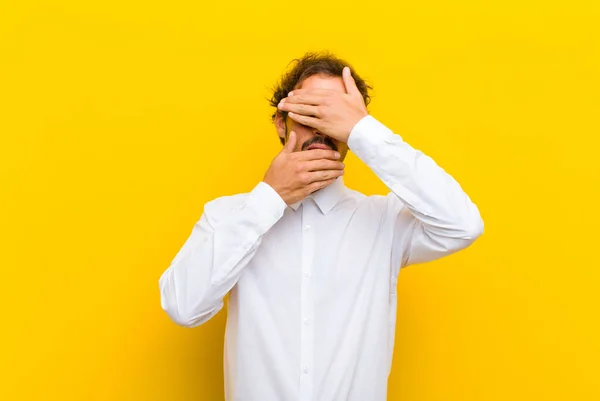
(434, 217)
(212, 259)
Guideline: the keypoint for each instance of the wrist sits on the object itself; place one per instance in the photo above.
(277, 189)
(358, 129)
(353, 125)
(269, 195)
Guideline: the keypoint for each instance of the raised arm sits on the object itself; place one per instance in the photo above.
(231, 229)
(435, 216)
(220, 245)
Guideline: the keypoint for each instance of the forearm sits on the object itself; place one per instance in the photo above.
(212, 259)
(433, 196)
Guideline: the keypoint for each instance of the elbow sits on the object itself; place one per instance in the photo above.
(189, 317)
(474, 229)
(465, 235)
(191, 320)
(177, 314)
(470, 231)
(182, 312)
(468, 224)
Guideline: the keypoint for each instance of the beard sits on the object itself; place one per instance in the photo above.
(319, 140)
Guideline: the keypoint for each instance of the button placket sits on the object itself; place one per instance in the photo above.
(306, 330)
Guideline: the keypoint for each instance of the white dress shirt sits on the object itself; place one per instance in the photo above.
(312, 305)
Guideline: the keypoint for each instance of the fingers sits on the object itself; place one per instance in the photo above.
(350, 83)
(308, 96)
(318, 185)
(313, 97)
(322, 175)
(291, 143)
(315, 154)
(323, 164)
(305, 120)
(303, 109)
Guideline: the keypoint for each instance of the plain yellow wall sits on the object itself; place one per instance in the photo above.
(120, 119)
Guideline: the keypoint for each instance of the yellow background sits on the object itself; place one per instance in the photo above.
(120, 119)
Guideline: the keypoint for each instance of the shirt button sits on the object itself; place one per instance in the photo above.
(306, 369)
(306, 321)
(306, 227)
(307, 274)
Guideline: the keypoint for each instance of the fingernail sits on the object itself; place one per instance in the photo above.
(291, 94)
(336, 154)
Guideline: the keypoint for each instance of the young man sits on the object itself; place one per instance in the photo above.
(311, 266)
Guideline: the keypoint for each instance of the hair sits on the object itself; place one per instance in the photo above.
(313, 63)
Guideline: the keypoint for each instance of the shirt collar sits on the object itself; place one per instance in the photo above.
(326, 198)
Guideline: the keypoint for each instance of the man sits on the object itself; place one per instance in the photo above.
(310, 265)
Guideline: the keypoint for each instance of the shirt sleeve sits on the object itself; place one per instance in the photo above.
(435, 217)
(211, 260)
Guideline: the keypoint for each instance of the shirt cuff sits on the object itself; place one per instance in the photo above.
(266, 202)
(366, 134)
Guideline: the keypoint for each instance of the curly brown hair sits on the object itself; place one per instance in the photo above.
(313, 63)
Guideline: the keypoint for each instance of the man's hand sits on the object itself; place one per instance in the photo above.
(333, 113)
(295, 175)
